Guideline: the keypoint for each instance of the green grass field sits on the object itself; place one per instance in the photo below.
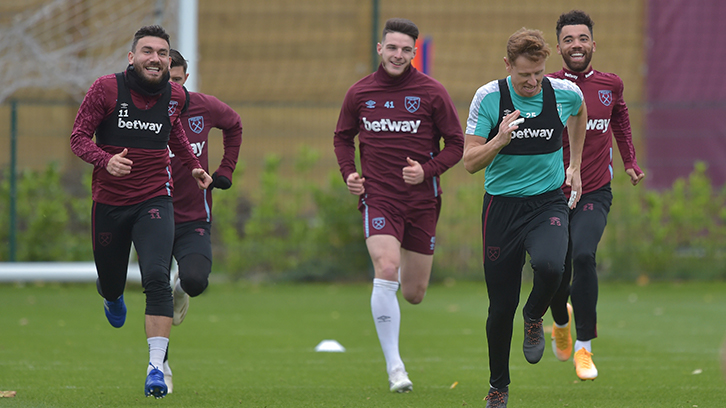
(253, 346)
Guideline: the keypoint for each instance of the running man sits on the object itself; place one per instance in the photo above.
(607, 117)
(193, 207)
(400, 115)
(134, 115)
(525, 210)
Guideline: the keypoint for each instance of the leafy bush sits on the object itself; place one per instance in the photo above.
(295, 227)
(458, 232)
(679, 233)
(51, 224)
(298, 230)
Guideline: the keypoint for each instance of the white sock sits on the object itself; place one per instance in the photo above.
(178, 291)
(561, 326)
(387, 318)
(583, 344)
(157, 351)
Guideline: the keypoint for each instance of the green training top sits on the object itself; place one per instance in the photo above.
(523, 175)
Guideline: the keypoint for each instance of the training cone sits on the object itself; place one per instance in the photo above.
(329, 346)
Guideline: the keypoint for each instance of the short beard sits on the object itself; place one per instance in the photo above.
(144, 79)
(580, 66)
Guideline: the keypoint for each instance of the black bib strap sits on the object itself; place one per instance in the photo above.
(133, 127)
(541, 134)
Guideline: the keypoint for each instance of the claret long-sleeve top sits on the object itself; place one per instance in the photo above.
(204, 113)
(105, 107)
(396, 118)
(607, 116)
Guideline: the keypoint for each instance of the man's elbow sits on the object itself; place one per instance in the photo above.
(469, 165)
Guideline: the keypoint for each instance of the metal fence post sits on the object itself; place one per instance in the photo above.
(13, 179)
(375, 16)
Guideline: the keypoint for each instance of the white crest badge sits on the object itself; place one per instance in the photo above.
(172, 107)
(196, 124)
(606, 96)
(412, 103)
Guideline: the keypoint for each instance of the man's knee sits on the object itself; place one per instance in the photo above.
(549, 267)
(113, 291)
(194, 270)
(502, 310)
(386, 269)
(583, 260)
(414, 295)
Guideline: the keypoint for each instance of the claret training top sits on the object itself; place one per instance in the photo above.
(204, 113)
(396, 118)
(607, 116)
(128, 119)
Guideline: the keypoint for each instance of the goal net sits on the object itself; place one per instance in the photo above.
(62, 46)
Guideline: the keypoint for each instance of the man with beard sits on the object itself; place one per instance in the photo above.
(607, 117)
(134, 115)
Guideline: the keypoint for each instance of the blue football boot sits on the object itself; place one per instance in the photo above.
(115, 311)
(155, 384)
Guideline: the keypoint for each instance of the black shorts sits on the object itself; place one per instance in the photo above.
(193, 237)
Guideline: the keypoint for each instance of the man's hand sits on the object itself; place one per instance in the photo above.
(220, 182)
(572, 179)
(506, 128)
(203, 179)
(635, 177)
(413, 173)
(355, 184)
(119, 165)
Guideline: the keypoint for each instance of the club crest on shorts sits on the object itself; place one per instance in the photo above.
(412, 103)
(493, 253)
(172, 107)
(555, 221)
(196, 124)
(104, 238)
(606, 96)
(378, 223)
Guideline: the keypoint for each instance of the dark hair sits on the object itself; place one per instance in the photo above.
(149, 31)
(574, 17)
(527, 42)
(177, 60)
(401, 25)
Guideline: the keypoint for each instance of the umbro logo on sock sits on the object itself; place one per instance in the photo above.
(383, 319)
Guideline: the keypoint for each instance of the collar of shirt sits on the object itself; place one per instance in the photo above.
(578, 76)
(383, 78)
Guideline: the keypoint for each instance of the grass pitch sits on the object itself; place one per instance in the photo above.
(253, 346)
